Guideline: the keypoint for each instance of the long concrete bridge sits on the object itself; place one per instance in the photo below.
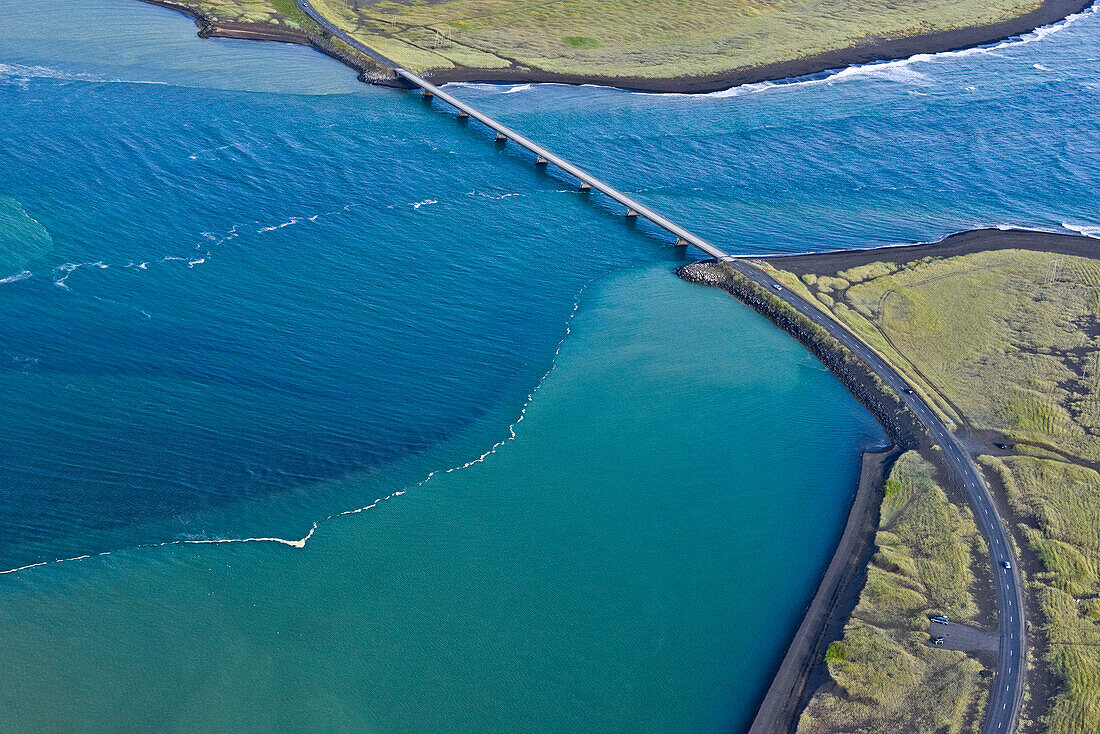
(634, 208)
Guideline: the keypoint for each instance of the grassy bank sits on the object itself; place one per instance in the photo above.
(1058, 505)
(1008, 342)
(625, 38)
(885, 676)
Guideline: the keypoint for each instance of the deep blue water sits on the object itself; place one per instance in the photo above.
(156, 226)
(231, 276)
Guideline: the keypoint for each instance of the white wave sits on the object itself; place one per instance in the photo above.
(493, 197)
(68, 269)
(21, 275)
(518, 88)
(1040, 67)
(426, 202)
(24, 72)
(301, 542)
(293, 220)
(1089, 230)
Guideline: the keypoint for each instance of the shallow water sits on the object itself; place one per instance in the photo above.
(241, 293)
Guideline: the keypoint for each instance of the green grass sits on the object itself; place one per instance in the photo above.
(987, 337)
(1059, 504)
(1003, 342)
(887, 677)
(274, 12)
(656, 39)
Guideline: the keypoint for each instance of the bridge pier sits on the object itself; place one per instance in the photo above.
(630, 213)
(540, 161)
(585, 186)
(425, 94)
(681, 242)
(501, 137)
(463, 115)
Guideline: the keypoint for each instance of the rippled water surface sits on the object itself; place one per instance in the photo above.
(242, 296)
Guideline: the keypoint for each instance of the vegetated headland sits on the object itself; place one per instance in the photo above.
(695, 46)
(1000, 332)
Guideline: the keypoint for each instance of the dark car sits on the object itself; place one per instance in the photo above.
(908, 391)
(937, 640)
(1003, 446)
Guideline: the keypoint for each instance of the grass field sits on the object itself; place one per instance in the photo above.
(658, 39)
(886, 675)
(1059, 505)
(1006, 340)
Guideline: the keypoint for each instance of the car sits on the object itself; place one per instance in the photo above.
(1003, 446)
(937, 640)
(777, 286)
(940, 619)
(908, 391)
(1006, 564)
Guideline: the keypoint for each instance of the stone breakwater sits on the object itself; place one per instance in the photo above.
(900, 423)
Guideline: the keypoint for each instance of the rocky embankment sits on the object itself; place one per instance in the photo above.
(900, 424)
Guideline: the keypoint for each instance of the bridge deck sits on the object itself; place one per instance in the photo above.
(632, 205)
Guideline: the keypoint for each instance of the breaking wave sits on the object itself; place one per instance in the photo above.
(301, 542)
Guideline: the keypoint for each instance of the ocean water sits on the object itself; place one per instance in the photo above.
(499, 469)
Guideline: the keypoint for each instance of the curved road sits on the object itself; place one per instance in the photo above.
(1003, 708)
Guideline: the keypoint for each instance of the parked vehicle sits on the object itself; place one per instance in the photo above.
(941, 619)
(937, 640)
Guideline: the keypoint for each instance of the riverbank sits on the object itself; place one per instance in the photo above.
(875, 48)
(803, 667)
(840, 586)
(1021, 342)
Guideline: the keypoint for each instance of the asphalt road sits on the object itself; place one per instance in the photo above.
(1008, 686)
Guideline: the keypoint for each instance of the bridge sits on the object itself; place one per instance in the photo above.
(543, 156)
(634, 208)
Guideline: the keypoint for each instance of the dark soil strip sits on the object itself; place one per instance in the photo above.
(963, 243)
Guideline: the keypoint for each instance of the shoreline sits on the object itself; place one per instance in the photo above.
(801, 669)
(960, 243)
(842, 582)
(803, 665)
(1050, 12)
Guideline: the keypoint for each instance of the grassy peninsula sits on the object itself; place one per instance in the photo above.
(688, 45)
(1002, 331)
(885, 676)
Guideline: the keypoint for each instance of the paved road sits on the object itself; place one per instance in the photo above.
(1008, 685)
(320, 20)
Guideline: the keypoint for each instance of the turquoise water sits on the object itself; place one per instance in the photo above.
(243, 296)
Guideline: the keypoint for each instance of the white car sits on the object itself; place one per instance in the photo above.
(1006, 564)
(777, 286)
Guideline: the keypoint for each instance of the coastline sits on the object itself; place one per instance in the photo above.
(801, 668)
(1051, 11)
(803, 665)
(841, 584)
(960, 243)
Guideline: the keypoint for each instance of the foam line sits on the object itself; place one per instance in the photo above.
(301, 542)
